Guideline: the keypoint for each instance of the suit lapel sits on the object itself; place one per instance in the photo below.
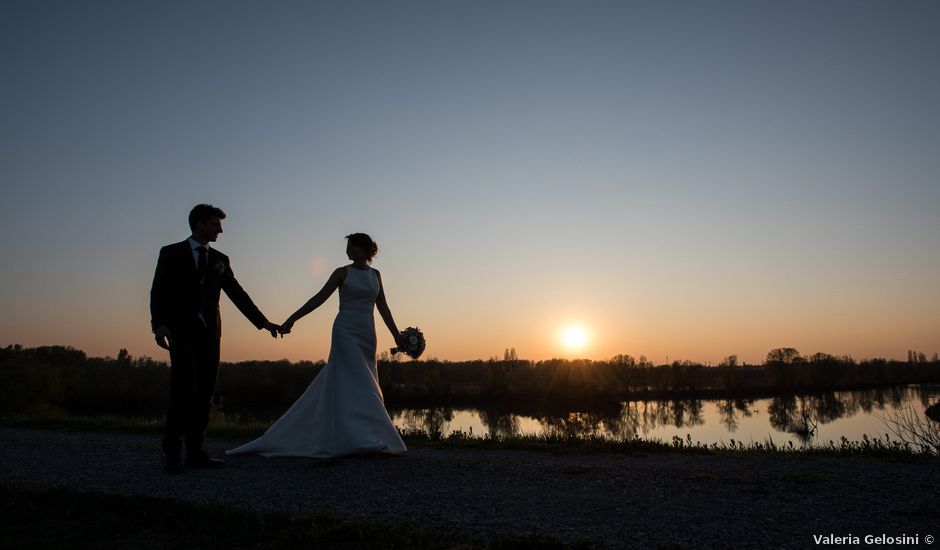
(213, 260)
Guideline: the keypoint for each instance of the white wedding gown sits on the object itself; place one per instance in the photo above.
(342, 412)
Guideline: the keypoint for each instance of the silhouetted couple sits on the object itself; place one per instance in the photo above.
(342, 412)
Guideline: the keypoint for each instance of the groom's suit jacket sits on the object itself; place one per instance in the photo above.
(179, 295)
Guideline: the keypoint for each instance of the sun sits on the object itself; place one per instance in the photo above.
(574, 337)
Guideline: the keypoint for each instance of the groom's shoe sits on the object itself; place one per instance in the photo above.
(199, 459)
(172, 463)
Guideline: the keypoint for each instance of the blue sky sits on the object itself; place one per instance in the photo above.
(686, 179)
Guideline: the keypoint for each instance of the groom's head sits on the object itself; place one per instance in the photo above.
(206, 222)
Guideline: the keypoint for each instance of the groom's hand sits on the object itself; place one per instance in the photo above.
(272, 328)
(162, 336)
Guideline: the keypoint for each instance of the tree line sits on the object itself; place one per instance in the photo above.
(64, 379)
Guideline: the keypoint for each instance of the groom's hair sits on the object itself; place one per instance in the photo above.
(202, 212)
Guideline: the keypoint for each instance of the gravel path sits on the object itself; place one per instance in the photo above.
(621, 501)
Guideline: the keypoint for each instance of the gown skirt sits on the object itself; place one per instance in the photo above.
(342, 412)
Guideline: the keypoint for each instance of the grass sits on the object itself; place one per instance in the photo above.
(869, 448)
(886, 448)
(37, 517)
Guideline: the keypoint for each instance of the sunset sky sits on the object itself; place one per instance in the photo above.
(681, 179)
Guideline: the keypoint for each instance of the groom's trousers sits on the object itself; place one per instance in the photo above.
(194, 366)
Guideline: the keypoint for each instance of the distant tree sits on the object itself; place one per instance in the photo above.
(935, 358)
(124, 357)
(622, 360)
(510, 355)
(783, 356)
(386, 357)
(729, 361)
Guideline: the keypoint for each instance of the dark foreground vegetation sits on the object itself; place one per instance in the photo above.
(36, 517)
(885, 447)
(65, 380)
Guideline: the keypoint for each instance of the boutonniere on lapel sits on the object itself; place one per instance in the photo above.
(219, 269)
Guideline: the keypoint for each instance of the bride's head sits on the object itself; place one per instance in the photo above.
(361, 248)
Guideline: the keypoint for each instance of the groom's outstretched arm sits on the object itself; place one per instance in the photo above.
(243, 302)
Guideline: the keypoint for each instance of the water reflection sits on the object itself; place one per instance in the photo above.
(730, 409)
(792, 415)
(430, 420)
(800, 418)
(500, 425)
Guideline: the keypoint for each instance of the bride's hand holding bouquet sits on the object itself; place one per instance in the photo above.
(410, 342)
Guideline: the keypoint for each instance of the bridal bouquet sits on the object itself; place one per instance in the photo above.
(414, 343)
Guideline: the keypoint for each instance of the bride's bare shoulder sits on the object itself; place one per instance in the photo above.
(339, 274)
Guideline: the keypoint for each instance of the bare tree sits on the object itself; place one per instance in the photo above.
(914, 428)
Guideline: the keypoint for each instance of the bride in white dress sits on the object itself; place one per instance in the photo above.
(342, 412)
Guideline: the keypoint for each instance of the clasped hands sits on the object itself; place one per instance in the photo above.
(275, 330)
(282, 329)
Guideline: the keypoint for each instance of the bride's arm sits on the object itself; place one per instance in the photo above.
(336, 279)
(382, 305)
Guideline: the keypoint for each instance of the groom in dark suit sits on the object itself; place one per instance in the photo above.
(184, 311)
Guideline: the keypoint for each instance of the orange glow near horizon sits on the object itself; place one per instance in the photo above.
(701, 322)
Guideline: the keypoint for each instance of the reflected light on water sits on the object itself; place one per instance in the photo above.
(813, 418)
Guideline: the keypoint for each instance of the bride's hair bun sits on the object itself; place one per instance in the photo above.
(364, 242)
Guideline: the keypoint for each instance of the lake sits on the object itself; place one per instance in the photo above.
(814, 418)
